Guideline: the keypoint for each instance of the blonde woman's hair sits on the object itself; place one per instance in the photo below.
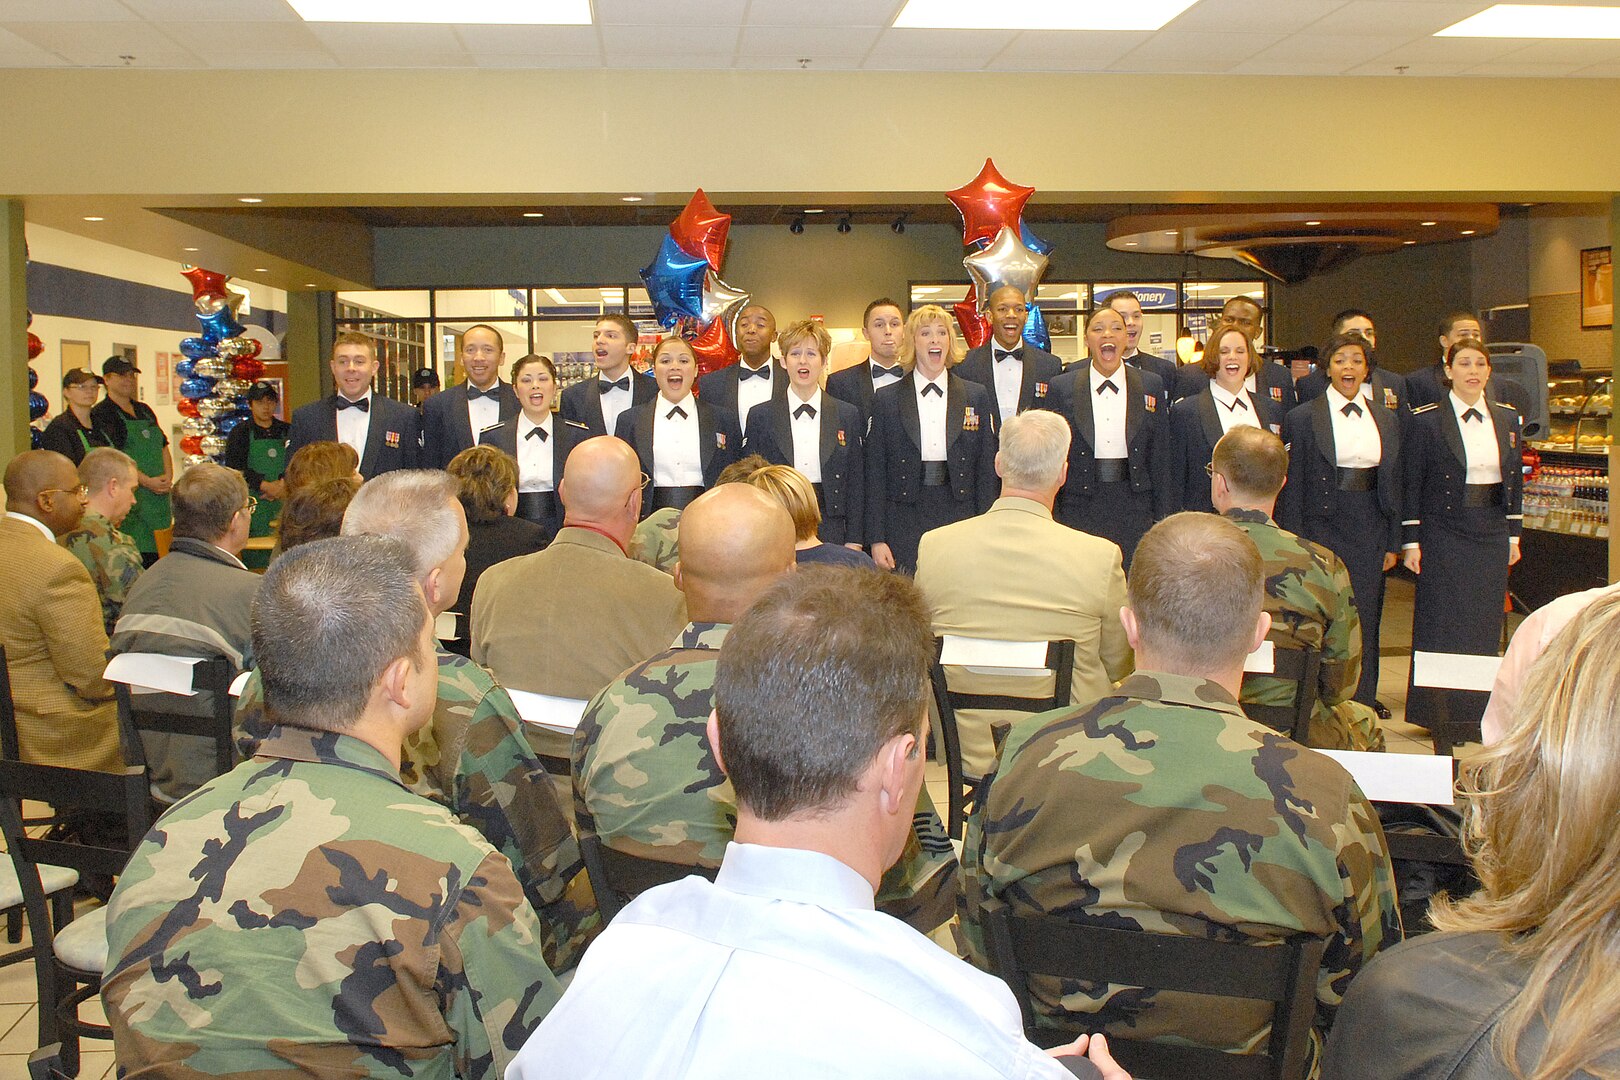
(1539, 823)
(792, 489)
(799, 331)
(908, 341)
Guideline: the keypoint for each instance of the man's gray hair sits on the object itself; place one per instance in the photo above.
(328, 620)
(103, 464)
(417, 507)
(1034, 445)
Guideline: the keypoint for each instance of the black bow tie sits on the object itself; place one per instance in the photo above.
(1107, 384)
(673, 413)
(622, 384)
(805, 410)
(746, 372)
(881, 372)
(493, 393)
(1015, 354)
(1472, 414)
(932, 388)
(536, 433)
(1238, 403)
(364, 404)
(1352, 409)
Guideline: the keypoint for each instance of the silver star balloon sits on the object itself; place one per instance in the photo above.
(721, 301)
(1007, 261)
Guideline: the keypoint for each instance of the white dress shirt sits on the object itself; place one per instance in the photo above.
(931, 416)
(778, 967)
(615, 401)
(885, 377)
(677, 455)
(482, 413)
(806, 429)
(35, 522)
(1479, 441)
(1234, 410)
(1108, 413)
(1008, 376)
(534, 455)
(753, 390)
(354, 425)
(1356, 442)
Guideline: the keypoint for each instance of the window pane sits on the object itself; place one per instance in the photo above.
(386, 304)
(514, 338)
(479, 304)
(402, 347)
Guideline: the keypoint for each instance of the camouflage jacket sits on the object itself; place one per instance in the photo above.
(111, 557)
(646, 782)
(1312, 607)
(657, 540)
(473, 759)
(305, 915)
(1163, 808)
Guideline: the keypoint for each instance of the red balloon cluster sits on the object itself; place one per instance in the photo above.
(187, 406)
(992, 209)
(204, 282)
(701, 232)
(975, 326)
(249, 368)
(191, 444)
(988, 203)
(35, 346)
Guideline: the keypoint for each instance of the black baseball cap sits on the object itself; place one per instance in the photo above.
(424, 377)
(117, 365)
(75, 376)
(259, 391)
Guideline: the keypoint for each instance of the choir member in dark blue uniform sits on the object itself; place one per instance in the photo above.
(816, 434)
(1344, 483)
(1017, 374)
(1198, 422)
(1463, 511)
(755, 378)
(1268, 380)
(1121, 458)
(884, 326)
(539, 440)
(681, 442)
(931, 453)
(1388, 388)
(1129, 306)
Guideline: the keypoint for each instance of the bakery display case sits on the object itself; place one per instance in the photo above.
(1581, 405)
(1566, 492)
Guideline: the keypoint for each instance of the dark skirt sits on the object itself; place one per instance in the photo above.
(1459, 601)
(907, 522)
(1358, 534)
(1114, 513)
(676, 497)
(542, 508)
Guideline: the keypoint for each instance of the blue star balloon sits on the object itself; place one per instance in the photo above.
(1031, 241)
(1035, 329)
(195, 348)
(675, 283)
(220, 325)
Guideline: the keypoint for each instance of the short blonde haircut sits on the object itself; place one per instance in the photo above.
(350, 337)
(793, 490)
(104, 464)
(908, 342)
(799, 331)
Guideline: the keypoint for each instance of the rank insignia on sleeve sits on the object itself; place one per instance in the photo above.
(391, 440)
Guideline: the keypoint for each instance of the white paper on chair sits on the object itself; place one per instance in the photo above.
(1454, 671)
(1263, 661)
(154, 672)
(444, 626)
(552, 713)
(984, 657)
(1402, 778)
(239, 683)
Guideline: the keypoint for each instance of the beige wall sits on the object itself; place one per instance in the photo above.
(1557, 237)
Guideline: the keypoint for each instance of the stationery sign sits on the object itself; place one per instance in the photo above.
(1151, 297)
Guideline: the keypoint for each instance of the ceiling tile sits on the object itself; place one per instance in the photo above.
(1325, 54)
(1425, 69)
(361, 59)
(1465, 52)
(1077, 50)
(1202, 51)
(1259, 16)
(15, 11)
(673, 41)
(844, 13)
(214, 11)
(254, 59)
(543, 40)
(757, 62)
(103, 44)
(17, 53)
(933, 50)
(349, 39)
(203, 38)
(665, 60)
(1512, 68)
(807, 41)
(1599, 71)
(665, 13)
(591, 58)
(1371, 18)
(1574, 52)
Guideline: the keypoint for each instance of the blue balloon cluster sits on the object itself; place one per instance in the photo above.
(674, 283)
(196, 348)
(1035, 331)
(227, 424)
(37, 405)
(220, 325)
(1031, 241)
(196, 387)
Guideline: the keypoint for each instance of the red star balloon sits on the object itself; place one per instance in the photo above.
(713, 348)
(701, 230)
(975, 327)
(988, 203)
(203, 282)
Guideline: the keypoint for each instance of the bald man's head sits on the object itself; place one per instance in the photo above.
(735, 542)
(44, 485)
(598, 483)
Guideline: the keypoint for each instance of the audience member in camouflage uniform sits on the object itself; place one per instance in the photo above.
(657, 542)
(1308, 593)
(111, 556)
(472, 757)
(1163, 808)
(645, 778)
(304, 913)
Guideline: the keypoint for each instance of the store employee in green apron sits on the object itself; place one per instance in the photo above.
(257, 448)
(132, 426)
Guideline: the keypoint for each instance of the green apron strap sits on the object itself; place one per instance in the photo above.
(143, 441)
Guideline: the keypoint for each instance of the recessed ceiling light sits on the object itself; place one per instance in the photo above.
(309, 284)
(630, 198)
(1130, 243)
(261, 269)
(1408, 243)
(814, 210)
(1039, 15)
(92, 217)
(534, 213)
(188, 249)
(1169, 232)
(1468, 232)
(497, 12)
(1538, 21)
(1428, 223)
(249, 199)
(1313, 223)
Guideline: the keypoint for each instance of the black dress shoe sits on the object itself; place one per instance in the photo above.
(1381, 709)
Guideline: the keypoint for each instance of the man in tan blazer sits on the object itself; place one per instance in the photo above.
(1014, 574)
(50, 621)
(568, 620)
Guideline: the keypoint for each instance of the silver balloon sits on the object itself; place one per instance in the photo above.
(214, 367)
(232, 389)
(721, 301)
(213, 445)
(215, 407)
(197, 425)
(196, 459)
(233, 347)
(1007, 261)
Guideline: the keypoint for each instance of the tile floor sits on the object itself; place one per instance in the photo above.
(19, 1022)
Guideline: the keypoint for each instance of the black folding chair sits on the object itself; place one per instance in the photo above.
(617, 878)
(142, 710)
(1303, 668)
(1455, 689)
(963, 794)
(1283, 974)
